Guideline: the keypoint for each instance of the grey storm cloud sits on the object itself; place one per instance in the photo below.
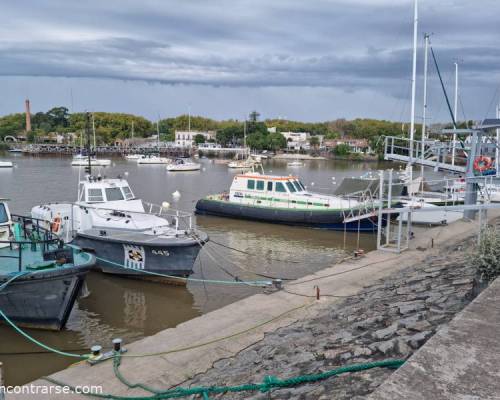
(346, 44)
(254, 51)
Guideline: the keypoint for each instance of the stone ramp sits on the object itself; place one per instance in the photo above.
(462, 361)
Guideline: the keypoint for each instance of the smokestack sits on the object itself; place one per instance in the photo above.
(28, 116)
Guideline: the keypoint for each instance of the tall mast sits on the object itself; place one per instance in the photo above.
(87, 131)
(189, 118)
(455, 115)
(497, 151)
(158, 135)
(424, 112)
(413, 83)
(93, 130)
(132, 129)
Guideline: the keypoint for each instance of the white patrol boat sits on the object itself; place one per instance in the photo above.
(128, 236)
(285, 200)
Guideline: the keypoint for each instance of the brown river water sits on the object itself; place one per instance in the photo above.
(133, 309)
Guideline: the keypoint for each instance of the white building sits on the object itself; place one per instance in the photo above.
(186, 138)
(297, 140)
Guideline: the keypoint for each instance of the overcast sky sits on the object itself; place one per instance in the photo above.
(306, 60)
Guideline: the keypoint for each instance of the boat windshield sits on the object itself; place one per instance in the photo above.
(301, 185)
(4, 217)
(297, 186)
(128, 193)
(291, 187)
(114, 194)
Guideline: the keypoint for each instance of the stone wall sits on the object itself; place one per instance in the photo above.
(390, 319)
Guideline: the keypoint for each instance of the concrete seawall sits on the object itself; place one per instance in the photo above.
(245, 322)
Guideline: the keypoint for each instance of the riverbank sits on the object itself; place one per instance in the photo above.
(227, 332)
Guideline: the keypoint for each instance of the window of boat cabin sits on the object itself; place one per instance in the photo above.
(81, 192)
(260, 185)
(280, 187)
(301, 185)
(269, 186)
(3, 214)
(127, 192)
(290, 186)
(114, 194)
(95, 195)
(250, 184)
(297, 186)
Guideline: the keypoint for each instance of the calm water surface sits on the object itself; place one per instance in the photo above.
(131, 309)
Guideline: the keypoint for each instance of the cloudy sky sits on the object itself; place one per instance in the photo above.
(307, 60)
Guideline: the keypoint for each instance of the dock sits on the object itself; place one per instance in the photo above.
(194, 346)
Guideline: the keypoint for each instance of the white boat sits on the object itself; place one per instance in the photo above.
(182, 164)
(133, 156)
(6, 164)
(153, 159)
(285, 200)
(431, 217)
(250, 162)
(296, 163)
(82, 161)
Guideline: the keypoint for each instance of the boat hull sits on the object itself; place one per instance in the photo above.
(142, 259)
(42, 300)
(331, 219)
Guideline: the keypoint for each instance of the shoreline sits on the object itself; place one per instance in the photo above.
(256, 316)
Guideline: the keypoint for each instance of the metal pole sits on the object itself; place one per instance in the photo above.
(413, 82)
(424, 112)
(2, 383)
(380, 199)
(389, 205)
(455, 114)
(497, 151)
(470, 185)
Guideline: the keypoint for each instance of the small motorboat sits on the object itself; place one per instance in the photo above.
(133, 157)
(152, 159)
(183, 164)
(40, 277)
(248, 163)
(81, 160)
(6, 164)
(295, 163)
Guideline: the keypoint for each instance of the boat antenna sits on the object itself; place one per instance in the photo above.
(88, 168)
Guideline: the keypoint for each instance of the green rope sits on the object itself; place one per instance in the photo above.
(270, 382)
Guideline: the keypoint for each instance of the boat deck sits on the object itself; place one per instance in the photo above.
(33, 260)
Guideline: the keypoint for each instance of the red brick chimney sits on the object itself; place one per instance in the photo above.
(28, 116)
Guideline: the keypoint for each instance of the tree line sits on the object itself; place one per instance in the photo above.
(112, 126)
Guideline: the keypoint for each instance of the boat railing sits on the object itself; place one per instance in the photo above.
(32, 233)
(180, 220)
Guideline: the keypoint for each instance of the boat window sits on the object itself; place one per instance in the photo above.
(290, 186)
(81, 192)
(113, 194)
(280, 187)
(301, 185)
(3, 214)
(128, 193)
(95, 195)
(269, 186)
(260, 185)
(250, 184)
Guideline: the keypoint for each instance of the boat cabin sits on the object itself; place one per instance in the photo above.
(99, 190)
(256, 182)
(5, 223)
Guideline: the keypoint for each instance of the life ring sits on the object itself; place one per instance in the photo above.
(55, 226)
(482, 163)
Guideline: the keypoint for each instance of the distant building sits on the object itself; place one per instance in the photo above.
(186, 138)
(272, 129)
(297, 140)
(355, 145)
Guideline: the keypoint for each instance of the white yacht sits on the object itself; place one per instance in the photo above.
(133, 157)
(183, 164)
(80, 160)
(6, 164)
(152, 159)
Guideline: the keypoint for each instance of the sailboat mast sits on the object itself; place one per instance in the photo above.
(455, 115)
(93, 130)
(413, 83)
(424, 112)
(497, 150)
(87, 131)
(158, 135)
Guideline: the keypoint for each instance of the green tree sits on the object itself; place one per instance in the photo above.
(276, 141)
(342, 150)
(314, 142)
(198, 139)
(12, 125)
